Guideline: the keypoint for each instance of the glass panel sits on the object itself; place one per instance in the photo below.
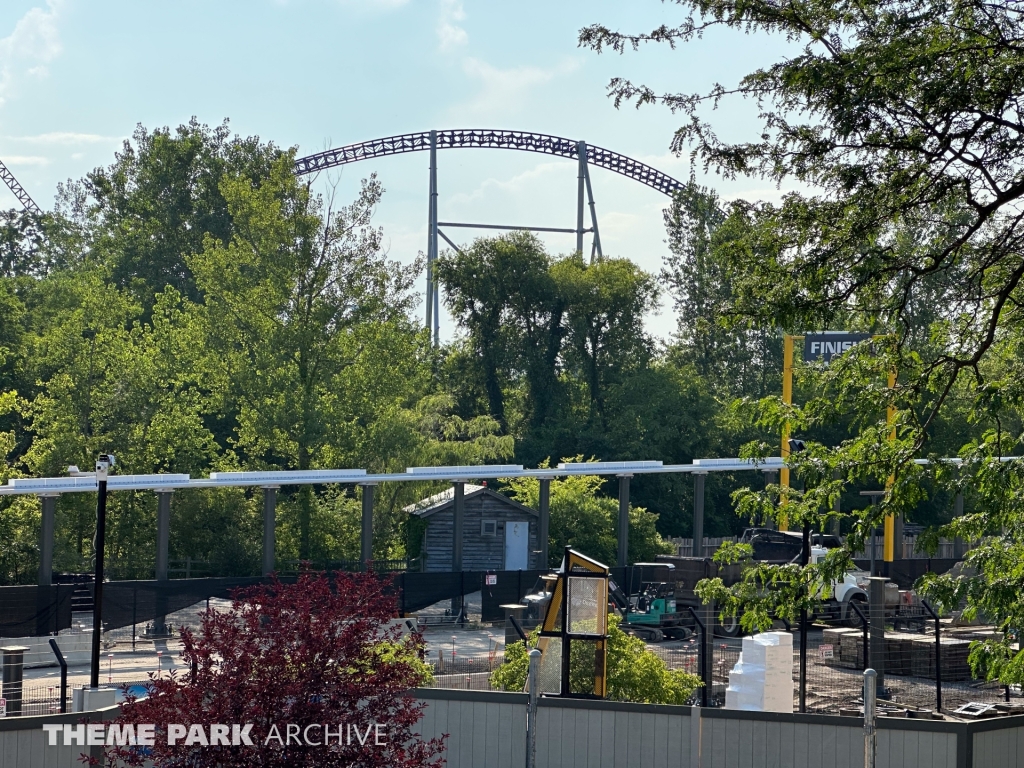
(583, 665)
(549, 678)
(588, 606)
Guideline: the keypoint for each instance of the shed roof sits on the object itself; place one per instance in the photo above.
(445, 499)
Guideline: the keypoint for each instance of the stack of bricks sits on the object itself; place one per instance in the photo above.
(851, 649)
(899, 652)
(954, 658)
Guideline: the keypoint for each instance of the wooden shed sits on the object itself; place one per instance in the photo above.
(498, 534)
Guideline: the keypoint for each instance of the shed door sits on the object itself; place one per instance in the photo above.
(517, 546)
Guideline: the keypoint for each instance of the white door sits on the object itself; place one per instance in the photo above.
(517, 546)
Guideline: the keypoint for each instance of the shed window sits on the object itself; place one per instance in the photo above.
(488, 527)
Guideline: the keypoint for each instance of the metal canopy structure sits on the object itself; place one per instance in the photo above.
(58, 485)
(49, 488)
(523, 141)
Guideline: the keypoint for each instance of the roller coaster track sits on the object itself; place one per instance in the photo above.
(486, 139)
(19, 191)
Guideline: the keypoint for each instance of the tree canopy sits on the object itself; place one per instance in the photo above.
(899, 124)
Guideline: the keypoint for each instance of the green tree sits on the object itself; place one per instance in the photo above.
(502, 292)
(735, 355)
(156, 203)
(901, 124)
(634, 673)
(283, 298)
(605, 304)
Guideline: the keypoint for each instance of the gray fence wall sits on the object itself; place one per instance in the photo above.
(23, 741)
(488, 729)
(998, 747)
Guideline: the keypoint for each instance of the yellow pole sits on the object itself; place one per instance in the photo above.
(889, 545)
(787, 398)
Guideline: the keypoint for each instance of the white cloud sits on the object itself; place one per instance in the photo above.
(33, 44)
(449, 34)
(504, 91)
(369, 6)
(63, 138)
(360, 5)
(23, 160)
(519, 184)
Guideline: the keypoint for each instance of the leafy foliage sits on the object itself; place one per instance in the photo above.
(900, 124)
(314, 652)
(634, 673)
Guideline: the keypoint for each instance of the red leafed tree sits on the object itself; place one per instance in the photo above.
(317, 652)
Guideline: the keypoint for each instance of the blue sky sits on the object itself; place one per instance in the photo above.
(76, 76)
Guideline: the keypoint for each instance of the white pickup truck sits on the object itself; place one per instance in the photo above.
(854, 589)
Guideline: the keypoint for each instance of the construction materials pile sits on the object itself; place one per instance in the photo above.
(762, 680)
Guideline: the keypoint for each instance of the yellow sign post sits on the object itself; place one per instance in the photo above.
(888, 549)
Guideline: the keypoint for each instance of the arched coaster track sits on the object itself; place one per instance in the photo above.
(523, 141)
(19, 191)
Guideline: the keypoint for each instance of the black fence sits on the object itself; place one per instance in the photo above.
(31, 611)
(918, 673)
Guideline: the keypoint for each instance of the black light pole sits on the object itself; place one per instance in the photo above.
(103, 465)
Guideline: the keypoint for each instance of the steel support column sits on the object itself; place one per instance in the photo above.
(366, 533)
(163, 533)
(433, 298)
(46, 529)
(581, 150)
(163, 541)
(698, 514)
(623, 546)
(458, 512)
(432, 303)
(596, 248)
(544, 522)
(269, 528)
(958, 511)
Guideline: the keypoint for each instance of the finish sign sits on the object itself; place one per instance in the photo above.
(825, 346)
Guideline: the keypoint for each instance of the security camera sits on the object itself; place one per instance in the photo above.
(104, 463)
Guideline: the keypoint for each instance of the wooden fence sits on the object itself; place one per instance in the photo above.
(684, 547)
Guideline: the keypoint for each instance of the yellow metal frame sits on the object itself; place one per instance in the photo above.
(888, 547)
(574, 561)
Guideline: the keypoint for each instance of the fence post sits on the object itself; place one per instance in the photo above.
(701, 657)
(938, 656)
(805, 558)
(870, 684)
(864, 623)
(531, 710)
(63, 675)
(876, 607)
